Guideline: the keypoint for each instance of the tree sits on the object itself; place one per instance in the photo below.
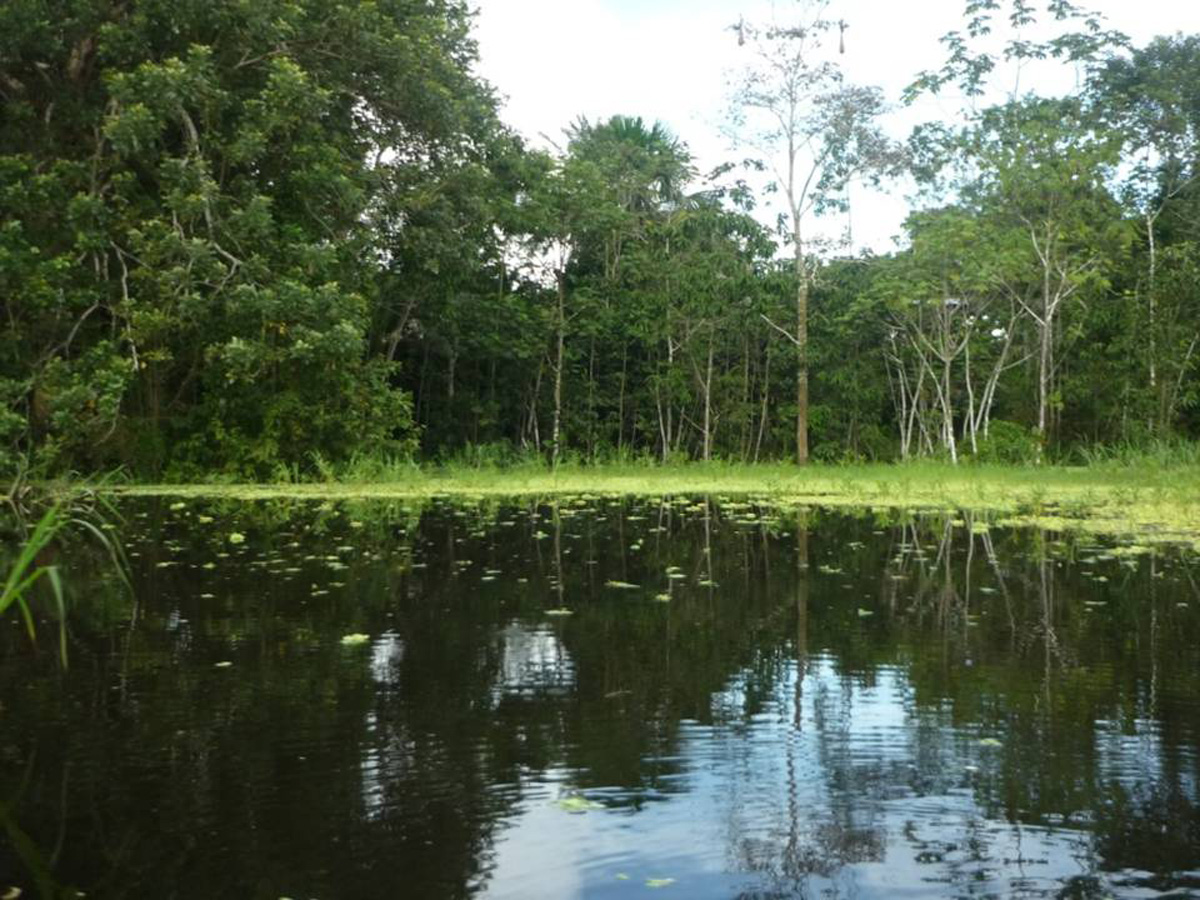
(189, 264)
(1042, 170)
(1150, 101)
(791, 105)
(951, 301)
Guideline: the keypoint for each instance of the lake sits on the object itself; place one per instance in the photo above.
(604, 697)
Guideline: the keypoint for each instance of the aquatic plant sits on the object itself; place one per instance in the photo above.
(86, 511)
(26, 572)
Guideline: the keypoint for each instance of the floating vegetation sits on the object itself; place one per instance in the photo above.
(622, 585)
(354, 640)
(236, 537)
(575, 803)
(659, 882)
(560, 611)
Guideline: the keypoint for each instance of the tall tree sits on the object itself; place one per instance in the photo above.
(791, 105)
(1150, 101)
(1042, 170)
(190, 276)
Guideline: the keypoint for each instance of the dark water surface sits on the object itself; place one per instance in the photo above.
(742, 703)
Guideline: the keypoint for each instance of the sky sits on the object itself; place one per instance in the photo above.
(670, 60)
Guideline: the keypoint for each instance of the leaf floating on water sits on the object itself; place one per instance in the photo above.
(560, 611)
(175, 507)
(863, 613)
(236, 537)
(577, 804)
(621, 876)
(663, 598)
(990, 742)
(621, 585)
(659, 882)
(353, 640)
(223, 664)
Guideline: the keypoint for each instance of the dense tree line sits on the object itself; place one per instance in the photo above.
(238, 237)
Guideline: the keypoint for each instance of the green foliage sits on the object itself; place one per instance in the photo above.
(186, 245)
(1153, 453)
(83, 513)
(25, 571)
(1008, 443)
(292, 241)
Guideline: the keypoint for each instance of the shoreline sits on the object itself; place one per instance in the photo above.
(1153, 504)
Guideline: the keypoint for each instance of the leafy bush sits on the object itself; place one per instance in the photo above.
(1010, 443)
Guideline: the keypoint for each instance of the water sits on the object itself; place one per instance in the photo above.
(742, 703)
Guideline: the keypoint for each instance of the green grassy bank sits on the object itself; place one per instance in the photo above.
(1152, 502)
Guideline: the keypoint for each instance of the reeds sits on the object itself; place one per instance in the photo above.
(87, 512)
(26, 572)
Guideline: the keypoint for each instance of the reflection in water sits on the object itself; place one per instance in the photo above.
(731, 700)
(534, 661)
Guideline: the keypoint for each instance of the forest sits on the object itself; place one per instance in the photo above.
(284, 236)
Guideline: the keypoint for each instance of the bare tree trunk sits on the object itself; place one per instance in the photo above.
(708, 372)
(560, 328)
(662, 422)
(1045, 367)
(670, 423)
(621, 400)
(748, 421)
(948, 411)
(766, 393)
(531, 426)
(801, 352)
(1150, 289)
(969, 422)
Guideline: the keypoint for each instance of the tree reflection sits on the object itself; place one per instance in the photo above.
(1042, 689)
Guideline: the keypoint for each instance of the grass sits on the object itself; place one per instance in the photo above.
(26, 572)
(1145, 497)
(82, 511)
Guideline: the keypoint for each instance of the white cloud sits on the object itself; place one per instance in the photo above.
(667, 59)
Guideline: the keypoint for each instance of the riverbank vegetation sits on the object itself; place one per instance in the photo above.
(1149, 502)
(242, 240)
